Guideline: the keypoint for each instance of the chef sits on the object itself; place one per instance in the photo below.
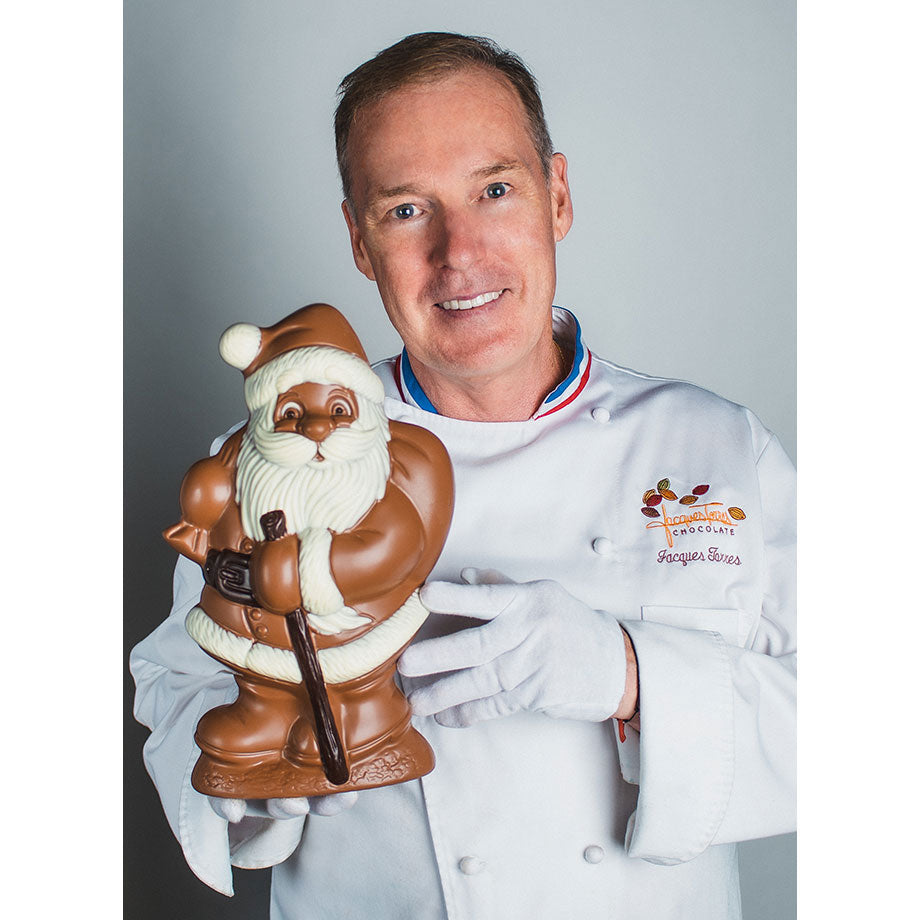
(607, 676)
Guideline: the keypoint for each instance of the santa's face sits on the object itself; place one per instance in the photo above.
(319, 453)
(315, 411)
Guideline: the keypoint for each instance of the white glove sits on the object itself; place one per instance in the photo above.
(234, 810)
(540, 649)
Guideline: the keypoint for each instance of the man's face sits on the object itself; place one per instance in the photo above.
(456, 222)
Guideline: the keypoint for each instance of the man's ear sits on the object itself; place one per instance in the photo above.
(358, 250)
(560, 196)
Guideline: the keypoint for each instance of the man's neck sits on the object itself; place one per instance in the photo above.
(513, 396)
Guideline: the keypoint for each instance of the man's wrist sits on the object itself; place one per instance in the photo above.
(629, 703)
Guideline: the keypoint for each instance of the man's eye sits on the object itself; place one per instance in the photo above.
(404, 211)
(496, 190)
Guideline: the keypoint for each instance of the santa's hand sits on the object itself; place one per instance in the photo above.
(234, 810)
(540, 649)
(275, 575)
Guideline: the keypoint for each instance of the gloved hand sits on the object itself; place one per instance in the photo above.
(540, 649)
(234, 810)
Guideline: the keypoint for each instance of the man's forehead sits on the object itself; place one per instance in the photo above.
(391, 137)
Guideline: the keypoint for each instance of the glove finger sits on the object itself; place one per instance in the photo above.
(467, 648)
(462, 687)
(466, 714)
(332, 804)
(483, 602)
(232, 810)
(288, 808)
(474, 576)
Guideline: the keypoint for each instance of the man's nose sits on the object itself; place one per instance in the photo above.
(315, 427)
(459, 243)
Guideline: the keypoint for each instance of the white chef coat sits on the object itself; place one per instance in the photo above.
(528, 816)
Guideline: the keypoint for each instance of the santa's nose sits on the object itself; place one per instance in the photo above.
(315, 428)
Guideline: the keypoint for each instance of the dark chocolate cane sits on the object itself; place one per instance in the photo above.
(331, 751)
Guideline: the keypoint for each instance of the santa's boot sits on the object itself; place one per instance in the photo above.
(249, 732)
(373, 719)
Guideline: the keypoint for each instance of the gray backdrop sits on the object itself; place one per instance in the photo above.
(678, 119)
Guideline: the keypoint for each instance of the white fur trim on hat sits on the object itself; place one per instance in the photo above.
(240, 344)
(315, 364)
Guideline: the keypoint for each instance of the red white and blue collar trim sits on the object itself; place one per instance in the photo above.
(566, 331)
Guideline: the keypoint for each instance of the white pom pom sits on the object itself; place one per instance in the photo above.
(240, 344)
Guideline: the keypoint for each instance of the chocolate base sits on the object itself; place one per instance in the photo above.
(395, 760)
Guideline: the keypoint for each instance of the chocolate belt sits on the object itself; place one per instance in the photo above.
(227, 571)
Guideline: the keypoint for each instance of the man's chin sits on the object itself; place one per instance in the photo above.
(473, 358)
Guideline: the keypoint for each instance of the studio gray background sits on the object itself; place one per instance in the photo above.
(678, 120)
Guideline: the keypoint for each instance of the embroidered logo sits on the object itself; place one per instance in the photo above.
(700, 516)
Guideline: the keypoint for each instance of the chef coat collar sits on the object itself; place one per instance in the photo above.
(566, 331)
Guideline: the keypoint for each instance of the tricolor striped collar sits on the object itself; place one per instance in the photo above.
(566, 331)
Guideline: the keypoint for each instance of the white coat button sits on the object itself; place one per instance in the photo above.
(471, 865)
(600, 414)
(602, 546)
(594, 854)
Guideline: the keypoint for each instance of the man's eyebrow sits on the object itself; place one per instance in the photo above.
(395, 191)
(486, 172)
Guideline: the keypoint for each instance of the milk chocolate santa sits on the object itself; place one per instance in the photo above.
(315, 525)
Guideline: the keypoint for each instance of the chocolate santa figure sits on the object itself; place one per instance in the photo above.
(314, 525)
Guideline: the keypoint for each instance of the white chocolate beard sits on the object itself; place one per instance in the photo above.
(276, 471)
(317, 498)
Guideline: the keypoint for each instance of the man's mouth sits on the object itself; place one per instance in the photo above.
(477, 301)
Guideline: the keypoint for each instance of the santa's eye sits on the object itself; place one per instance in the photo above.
(340, 409)
(290, 410)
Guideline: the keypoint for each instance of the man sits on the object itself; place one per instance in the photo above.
(626, 543)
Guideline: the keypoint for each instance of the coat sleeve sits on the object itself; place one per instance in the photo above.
(176, 684)
(715, 757)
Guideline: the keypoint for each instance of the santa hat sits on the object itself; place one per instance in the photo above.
(314, 344)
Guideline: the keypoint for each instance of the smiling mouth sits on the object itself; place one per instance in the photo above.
(470, 304)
